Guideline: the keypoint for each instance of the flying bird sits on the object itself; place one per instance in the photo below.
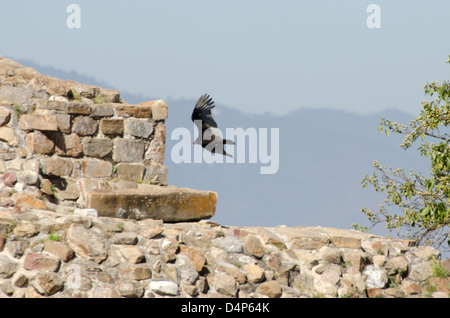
(208, 134)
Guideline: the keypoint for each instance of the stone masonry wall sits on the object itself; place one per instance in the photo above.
(60, 139)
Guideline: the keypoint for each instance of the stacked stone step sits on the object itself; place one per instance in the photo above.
(65, 139)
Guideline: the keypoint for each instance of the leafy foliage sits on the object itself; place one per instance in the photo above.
(424, 200)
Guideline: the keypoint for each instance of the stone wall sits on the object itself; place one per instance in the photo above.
(61, 139)
(48, 254)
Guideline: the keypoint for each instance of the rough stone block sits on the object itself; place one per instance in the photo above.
(5, 115)
(130, 171)
(128, 150)
(140, 128)
(136, 111)
(37, 142)
(156, 174)
(68, 145)
(56, 166)
(155, 152)
(15, 95)
(93, 168)
(112, 126)
(97, 147)
(170, 204)
(78, 108)
(159, 109)
(38, 122)
(63, 121)
(66, 189)
(101, 110)
(84, 126)
(7, 134)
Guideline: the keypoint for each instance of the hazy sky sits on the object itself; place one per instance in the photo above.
(257, 56)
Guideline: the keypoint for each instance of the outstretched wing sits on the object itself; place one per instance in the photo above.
(202, 111)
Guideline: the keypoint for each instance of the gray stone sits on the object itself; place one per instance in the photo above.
(28, 177)
(128, 150)
(223, 283)
(130, 289)
(140, 128)
(77, 108)
(7, 134)
(86, 212)
(97, 147)
(375, 277)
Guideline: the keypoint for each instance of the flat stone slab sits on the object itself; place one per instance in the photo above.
(166, 203)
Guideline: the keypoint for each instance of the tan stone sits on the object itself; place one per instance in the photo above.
(195, 254)
(253, 246)
(78, 108)
(169, 204)
(159, 109)
(56, 166)
(66, 189)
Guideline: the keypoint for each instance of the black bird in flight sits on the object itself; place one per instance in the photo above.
(208, 134)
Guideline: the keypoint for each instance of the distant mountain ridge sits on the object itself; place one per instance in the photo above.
(324, 155)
